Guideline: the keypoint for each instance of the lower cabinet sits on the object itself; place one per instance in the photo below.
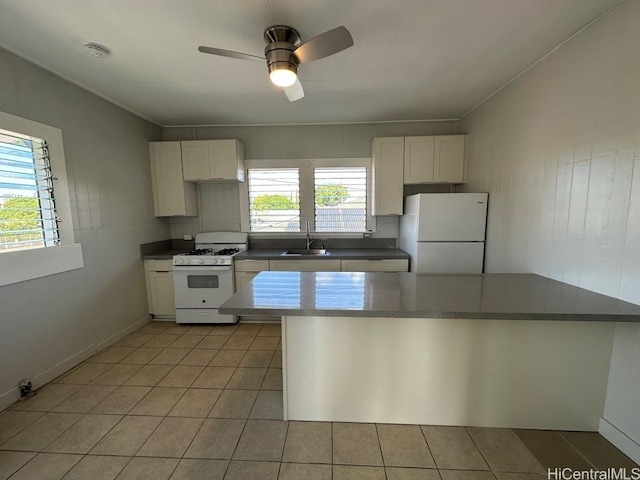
(382, 265)
(159, 277)
(245, 270)
(321, 265)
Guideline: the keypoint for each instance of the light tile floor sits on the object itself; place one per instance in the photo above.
(205, 402)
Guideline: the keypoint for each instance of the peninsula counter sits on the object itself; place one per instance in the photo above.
(498, 350)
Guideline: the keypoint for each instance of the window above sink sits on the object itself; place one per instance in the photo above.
(331, 194)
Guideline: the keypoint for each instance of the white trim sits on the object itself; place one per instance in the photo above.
(550, 52)
(311, 124)
(21, 265)
(123, 333)
(39, 262)
(622, 441)
(306, 166)
(41, 379)
(53, 136)
(78, 84)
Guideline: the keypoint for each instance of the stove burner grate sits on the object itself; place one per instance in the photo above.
(199, 251)
(227, 251)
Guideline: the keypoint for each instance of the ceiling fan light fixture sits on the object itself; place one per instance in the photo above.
(283, 77)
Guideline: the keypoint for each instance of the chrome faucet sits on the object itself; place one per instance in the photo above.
(308, 235)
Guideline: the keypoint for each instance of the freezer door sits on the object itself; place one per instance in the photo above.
(448, 257)
(452, 217)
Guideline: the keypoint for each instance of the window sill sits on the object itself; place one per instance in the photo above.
(26, 265)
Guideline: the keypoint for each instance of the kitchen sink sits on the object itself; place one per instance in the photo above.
(304, 251)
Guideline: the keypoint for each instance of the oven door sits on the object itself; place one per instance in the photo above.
(202, 287)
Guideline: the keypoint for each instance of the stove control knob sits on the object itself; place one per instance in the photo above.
(179, 261)
(201, 261)
(187, 261)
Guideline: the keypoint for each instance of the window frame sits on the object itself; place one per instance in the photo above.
(21, 265)
(307, 193)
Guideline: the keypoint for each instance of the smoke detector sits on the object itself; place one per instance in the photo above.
(95, 50)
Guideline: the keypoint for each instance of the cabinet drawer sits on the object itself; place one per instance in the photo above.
(159, 265)
(383, 265)
(251, 265)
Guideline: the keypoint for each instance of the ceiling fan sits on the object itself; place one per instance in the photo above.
(284, 53)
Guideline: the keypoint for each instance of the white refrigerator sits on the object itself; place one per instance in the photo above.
(444, 232)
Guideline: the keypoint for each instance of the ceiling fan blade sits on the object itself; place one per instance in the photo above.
(323, 45)
(229, 53)
(294, 92)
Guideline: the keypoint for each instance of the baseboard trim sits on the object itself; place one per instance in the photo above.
(38, 381)
(41, 379)
(621, 440)
(123, 333)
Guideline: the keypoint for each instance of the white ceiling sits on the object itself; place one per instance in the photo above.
(412, 59)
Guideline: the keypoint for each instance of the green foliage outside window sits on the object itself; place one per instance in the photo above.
(331, 195)
(273, 202)
(20, 214)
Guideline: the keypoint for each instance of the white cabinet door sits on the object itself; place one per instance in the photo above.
(159, 276)
(449, 155)
(246, 270)
(320, 265)
(438, 159)
(213, 160)
(382, 265)
(162, 302)
(387, 175)
(196, 160)
(228, 160)
(418, 159)
(171, 194)
(242, 278)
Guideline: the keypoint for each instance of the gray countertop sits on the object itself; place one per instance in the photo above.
(273, 254)
(482, 296)
(163, 255)
(335, 253)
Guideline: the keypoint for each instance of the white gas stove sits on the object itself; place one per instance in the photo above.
(203, 278)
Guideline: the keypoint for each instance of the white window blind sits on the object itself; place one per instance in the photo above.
(28, 216)
(274, 199)
(340, 199)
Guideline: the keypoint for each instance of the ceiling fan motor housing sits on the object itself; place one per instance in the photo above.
(281, 43)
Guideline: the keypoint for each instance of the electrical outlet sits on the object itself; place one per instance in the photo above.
(187, 237)
(26, 389)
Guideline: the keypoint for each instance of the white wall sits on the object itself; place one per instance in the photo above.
(219, 209)
(559, 152)
(60, 319)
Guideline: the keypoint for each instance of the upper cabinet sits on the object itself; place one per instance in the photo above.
(438, 159)
(386, 175)
(171, 194)
(409, 160)
(213, 160)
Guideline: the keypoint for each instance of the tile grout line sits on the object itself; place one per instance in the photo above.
(284, 444)
(577, 450)
(384, 465)
(433, 457)
(475, 444)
